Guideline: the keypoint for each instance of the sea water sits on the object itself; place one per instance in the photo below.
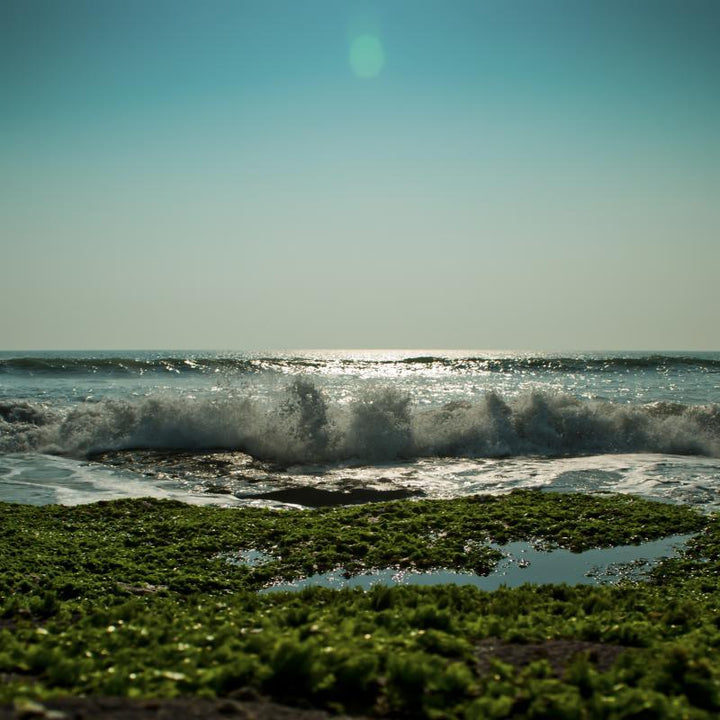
(248, 428)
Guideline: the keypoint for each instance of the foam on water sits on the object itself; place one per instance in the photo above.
(45, 480)
(381, 424)
(41, 479)
(440, 423)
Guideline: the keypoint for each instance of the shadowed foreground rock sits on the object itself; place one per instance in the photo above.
(117, 708)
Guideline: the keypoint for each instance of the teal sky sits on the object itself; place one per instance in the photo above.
(493, 174)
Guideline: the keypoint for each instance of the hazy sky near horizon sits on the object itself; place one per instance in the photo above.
(254, 175)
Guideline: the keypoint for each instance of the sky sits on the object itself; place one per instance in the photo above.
(265, 174)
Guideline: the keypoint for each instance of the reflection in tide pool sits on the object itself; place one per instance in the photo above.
(522, 563)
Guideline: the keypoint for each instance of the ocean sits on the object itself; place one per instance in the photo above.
(320, 428)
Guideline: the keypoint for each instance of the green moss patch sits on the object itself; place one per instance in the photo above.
(134, 598)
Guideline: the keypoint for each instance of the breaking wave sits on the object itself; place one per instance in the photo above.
(303, 426)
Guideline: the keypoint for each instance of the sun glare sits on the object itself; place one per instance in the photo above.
(367, 56)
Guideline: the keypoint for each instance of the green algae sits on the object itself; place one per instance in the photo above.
(133, 598)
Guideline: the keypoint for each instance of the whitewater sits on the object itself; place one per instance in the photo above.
(333, 427)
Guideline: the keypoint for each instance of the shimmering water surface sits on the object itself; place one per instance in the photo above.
(234, 428)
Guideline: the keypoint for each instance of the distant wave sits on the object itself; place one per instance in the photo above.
(567, 364)
(301, 425)
(208, 364)
(58, 366)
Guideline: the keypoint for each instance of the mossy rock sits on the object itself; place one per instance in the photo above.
(136, 598)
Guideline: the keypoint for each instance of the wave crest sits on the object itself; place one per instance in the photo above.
(381, 424)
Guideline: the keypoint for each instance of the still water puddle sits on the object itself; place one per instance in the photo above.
(521, 563)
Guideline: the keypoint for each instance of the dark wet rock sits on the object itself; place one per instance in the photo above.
(558, 653)
(315, 497)
(188, 708)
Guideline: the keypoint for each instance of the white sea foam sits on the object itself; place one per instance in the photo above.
(436, 422)
(302, 425)
(35, 479)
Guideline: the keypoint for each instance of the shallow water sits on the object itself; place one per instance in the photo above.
(522, 563)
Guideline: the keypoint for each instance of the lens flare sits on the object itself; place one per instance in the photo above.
(367, 56)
